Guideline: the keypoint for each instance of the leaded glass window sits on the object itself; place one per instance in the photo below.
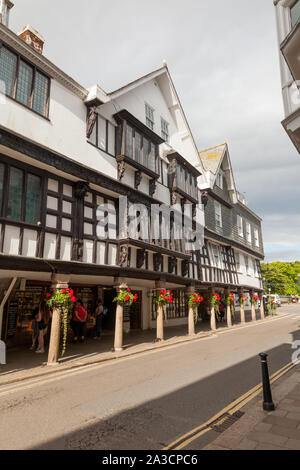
(33, 194)
(138, 145)
(24, 83)
(14, 208)
(152, 157)
(8, 66)
(32, 86)
(129, 143)
(40, 93)
(149, 116)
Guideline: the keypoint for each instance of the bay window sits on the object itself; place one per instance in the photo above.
(23, 82)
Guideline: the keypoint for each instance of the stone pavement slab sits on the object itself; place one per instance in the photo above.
(261, 430)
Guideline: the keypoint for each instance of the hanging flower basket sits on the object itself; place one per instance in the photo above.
(126, 297)
(164, 298)
(215, 302)
(63, 299)
(229, 300)
(194, 300)
(254, 299)
(242, 299)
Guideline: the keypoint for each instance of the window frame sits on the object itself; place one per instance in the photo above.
(165, 135)
(256, 238)
(220, 180)
(218, 214)
(35, 70)
(240, 226)
(248, 232)
(96, 130)
(148, 118)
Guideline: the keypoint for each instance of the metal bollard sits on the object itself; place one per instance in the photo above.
(268, 404)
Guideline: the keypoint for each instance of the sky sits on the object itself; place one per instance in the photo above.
(223, 59)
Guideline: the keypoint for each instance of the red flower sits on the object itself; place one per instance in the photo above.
(127, 297)
(128, 289)
(73, 299)
(71, 292)
(63, 291)
(48, 295)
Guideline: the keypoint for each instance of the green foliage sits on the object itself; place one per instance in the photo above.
(281, 278)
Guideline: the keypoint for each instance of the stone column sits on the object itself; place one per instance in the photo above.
(242, 308)
(58, 281)
(120, 284)
(191, 321)
(228, 311)
(261, 307)
(213, 323)
(253, 310)
(159, 314)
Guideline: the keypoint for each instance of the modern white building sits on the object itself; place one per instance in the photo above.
(288, 27)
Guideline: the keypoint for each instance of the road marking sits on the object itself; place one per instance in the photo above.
(59, 375)
(232, 408)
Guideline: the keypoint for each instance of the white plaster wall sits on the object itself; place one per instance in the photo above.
(64, 133)
(289, 91)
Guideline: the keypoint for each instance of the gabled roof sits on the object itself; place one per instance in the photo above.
(212, 157)
(161, 73)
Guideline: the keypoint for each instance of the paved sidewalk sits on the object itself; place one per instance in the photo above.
(261, 430)
(23, 363)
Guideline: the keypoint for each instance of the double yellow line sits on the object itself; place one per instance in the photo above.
(236, 405)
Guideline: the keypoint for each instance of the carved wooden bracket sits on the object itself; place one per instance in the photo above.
(81, 188)
(137, 179)
(172, 264)
(184, 268)
(173, 198)
(204, 198)
(152, 187)
(121, 170)
(157, 261)
(140, 258)
(123, 256)
(91, 120)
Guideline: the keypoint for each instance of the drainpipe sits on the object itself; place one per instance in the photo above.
(5, 298)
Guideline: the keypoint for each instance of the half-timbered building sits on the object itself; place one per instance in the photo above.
(71, 157)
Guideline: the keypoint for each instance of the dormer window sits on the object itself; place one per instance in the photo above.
(183, 177)
(137, 145)
(149, 116)
(164, 130)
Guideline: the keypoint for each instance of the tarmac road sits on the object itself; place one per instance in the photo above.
(146, 401)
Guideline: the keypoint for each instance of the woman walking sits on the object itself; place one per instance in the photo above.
(78, 321)
(42, 320)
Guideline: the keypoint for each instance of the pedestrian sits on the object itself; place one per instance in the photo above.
(99, 318)
(42, 322)
(78, 321)
(222, 309)
(34, 327)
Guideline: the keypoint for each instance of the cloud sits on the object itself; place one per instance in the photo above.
(223, 57)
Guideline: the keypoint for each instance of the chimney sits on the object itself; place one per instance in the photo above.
(33, 38)
(5, 7)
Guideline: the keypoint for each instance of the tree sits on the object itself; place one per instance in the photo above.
(281, 278)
